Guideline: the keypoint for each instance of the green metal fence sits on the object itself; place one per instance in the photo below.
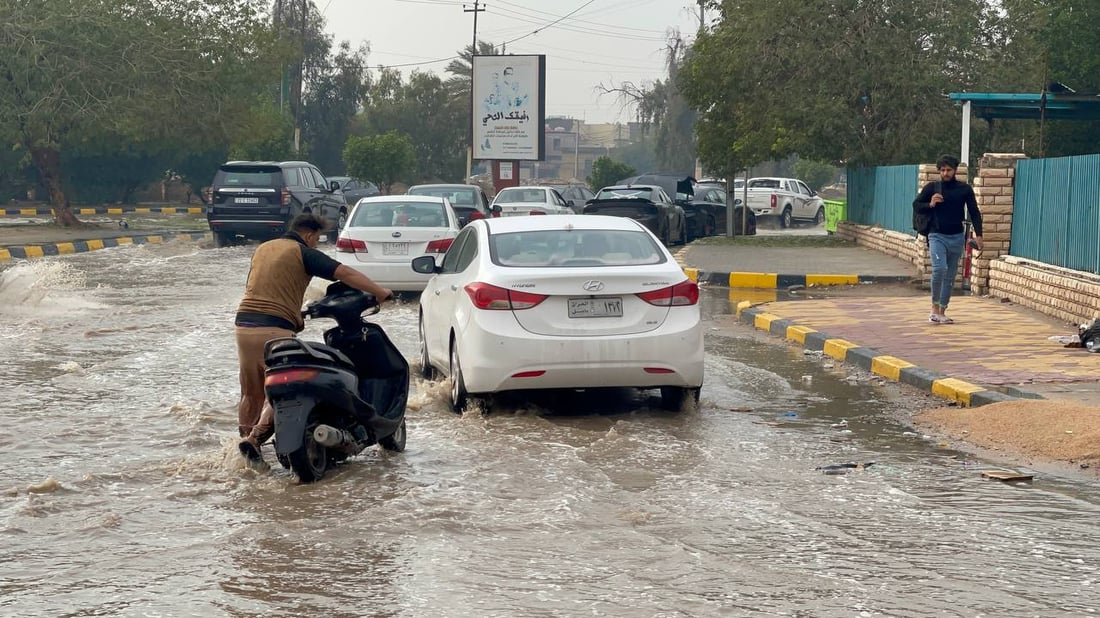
(883, 196)
(1056, 212)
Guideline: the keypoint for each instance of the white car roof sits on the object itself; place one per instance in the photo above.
(504, 225)
(528, 187)
(429, 199)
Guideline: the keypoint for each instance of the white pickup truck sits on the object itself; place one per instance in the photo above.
(786, 198)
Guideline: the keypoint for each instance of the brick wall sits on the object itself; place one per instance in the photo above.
(1065, 294)
(994, 189)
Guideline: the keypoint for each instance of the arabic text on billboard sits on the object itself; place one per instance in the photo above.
(507, 118)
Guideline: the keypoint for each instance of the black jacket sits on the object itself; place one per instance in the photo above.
(947, 216)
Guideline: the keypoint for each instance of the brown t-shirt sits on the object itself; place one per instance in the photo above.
(277, 281)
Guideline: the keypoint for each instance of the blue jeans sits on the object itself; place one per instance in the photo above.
(946, 250)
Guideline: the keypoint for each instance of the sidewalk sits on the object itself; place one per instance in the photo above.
(782, 267)
(994, 352)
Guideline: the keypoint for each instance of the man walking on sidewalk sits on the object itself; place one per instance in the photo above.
(944, 200)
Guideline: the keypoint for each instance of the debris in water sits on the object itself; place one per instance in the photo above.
(47, 486)
(844, 468)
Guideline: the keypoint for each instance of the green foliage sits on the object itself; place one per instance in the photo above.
(383, 159)
(264, 135)
(816, 174)
(424, 110)
(607, 172)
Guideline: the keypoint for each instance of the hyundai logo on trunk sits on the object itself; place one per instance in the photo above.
(593, 286)
(396, 234)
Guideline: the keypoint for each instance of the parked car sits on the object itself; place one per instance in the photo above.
(786, 198)
(681, 189)
(647, 204)
(712, 203)
(469, 201)
(257, 199)
(384, 233)
(515, 201)
(576, 301)
(576, 196)
(355, 189)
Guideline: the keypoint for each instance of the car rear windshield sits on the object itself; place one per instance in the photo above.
(458, 197)
(574, 248)
(526, 196)
(398, 214)
(764, 183)
(623, 194)
(248, 177)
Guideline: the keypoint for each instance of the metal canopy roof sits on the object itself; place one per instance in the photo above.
(1048, 105)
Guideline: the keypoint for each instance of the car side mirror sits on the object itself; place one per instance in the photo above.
(425, 265)
(497, 210)
(333, 186)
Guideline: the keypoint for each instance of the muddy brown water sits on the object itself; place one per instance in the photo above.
(122, 493)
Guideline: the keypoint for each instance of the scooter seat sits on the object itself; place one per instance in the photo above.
(292, 350)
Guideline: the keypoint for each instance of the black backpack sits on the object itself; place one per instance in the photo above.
(1090, 336)
(924, 222)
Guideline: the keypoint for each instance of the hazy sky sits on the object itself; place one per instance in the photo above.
(606, 41)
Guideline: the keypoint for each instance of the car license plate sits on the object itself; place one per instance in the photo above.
(596, 307)
(395, 248)
(247, 200)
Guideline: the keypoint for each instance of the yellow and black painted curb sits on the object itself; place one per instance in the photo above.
(108, 210)
(81, 246)
(775, 281)
(889, 367)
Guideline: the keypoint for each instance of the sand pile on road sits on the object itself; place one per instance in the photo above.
(1049, 429)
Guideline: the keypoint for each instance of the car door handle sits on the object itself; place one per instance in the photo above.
(454, 288)
(437, 292)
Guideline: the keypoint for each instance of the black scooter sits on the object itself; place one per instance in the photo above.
(335, 399)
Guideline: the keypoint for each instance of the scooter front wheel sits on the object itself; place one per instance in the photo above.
(310, 461)
(395, 441)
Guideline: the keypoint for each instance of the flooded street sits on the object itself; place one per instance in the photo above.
(123, 493)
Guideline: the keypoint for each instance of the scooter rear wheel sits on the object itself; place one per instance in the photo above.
(396, 441)
(311, 460)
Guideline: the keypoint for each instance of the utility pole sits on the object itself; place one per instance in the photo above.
(478, 8)
(301, 83)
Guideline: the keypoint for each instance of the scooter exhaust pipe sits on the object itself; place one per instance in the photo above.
(332, 437)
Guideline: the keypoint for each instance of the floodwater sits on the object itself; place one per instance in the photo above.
(122, 492)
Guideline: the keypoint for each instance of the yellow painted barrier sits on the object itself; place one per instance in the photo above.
(822, 280)
(5, 255)
(115, 211)
(889, 367)
(954, 389)
(95, 245)
(763, 321)
(692, 273)
(125, 240)
(65, 248)
(754, 280)
(838, 348)
(743, 305)
(798, 333)
(34, 252)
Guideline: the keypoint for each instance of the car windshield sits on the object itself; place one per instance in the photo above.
(458, 197)
(399, 214)
(526, 196)
(248, 177)
(622, 193)
(574, 248)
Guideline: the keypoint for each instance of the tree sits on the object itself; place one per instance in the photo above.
(816, 174)
(383, 159)
(837, 80)
(461, 68)
(607, 172)
(144, 69)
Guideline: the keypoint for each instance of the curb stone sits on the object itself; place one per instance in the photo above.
(23, 252)
(107, 210)
(883, 365)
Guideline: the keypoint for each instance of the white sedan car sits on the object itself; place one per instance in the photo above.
(576, 301)
(518, 201)
(384, 233)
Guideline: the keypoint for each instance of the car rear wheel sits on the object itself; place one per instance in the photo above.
(786, 219)
(459, 397)
(673, 397)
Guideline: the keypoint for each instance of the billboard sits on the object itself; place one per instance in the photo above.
(509, 107)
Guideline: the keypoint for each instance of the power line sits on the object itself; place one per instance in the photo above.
(573, 19)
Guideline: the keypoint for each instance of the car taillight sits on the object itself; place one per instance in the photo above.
(285, 196)
(536, 212)
(474, 216)
(491, 297)
(681, 294)
(350, 245)
(290, 375)
(775, 200)
(439, 246)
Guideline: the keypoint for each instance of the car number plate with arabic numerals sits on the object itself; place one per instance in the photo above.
(247, 200)
(395, 248)
(596, 307)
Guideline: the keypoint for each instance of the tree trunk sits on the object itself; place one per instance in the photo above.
(48, 162)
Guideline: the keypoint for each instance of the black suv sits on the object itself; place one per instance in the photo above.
(257, 199)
